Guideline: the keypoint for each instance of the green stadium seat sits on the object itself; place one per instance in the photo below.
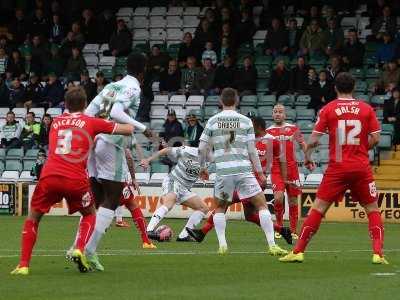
(212, 101)
(2, 167)
(303, 100)
(121, 61)
(373, 73)
(306, 126)
(247, 110)
(361, 86)
(385, 141)
(265, 111)
(245, 49)
(287, 100)
(259, 49)
(378, 100)
(212, 168)
(317, 61)
(250, 100)
(263, 71)
(15, 153)
(142, 48)
(263, 60)
(13, 165)
(197, 112)
(389, 128)
(262, 86)
(266, 100)
(108, 73)
(28, 165)
(210, 111)
(379, 114)
(305, 114)
(31, 153)
(290, 114)
(357, 73)
(371, 47)
(2, 153)
(363, 97)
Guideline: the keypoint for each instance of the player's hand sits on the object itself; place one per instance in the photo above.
(310, 165)
(204, 174)
(262, 179)
(148, 133)
(145, 163)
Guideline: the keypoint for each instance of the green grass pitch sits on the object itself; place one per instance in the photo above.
(337, 266)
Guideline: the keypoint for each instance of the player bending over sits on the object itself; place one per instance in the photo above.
(107, 166)
(353, 129)
(287, 134)
(268, 149)
(176, 189)
(231, 136)
(64, 176)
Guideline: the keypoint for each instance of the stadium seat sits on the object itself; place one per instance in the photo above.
(10, 175)
(174, 22)
(378, 100)
(177, 100)
(190, 21)
(349, 22)
(13, 165)
(303, 100)
(357, 73)
(210, 111)
(290, 114)
(158, 112)
(158, 35)
(263, 60)
(20, 112)
(263, 71)
(15, 153)
(91, 49)
(266, 100)
(305, 126)
(287, 100)
(91, 60)
(387, 128)
(38, 111)
(158, 11)
(175, 11)
(28, 165)
(259, 37)
(26, 176)
(192, 11)
(305, 114)
(160, 100)
(195, 100)
(313, 179)
(212, 100)
(157, 125)
(248, 111)
(140, 22)
(362, 97)
(385, 141)
(265, 111)
(262, 86)
(142, 177)
(125, 12)
(3, 111)
(141, 11)
(141, 35)
(157, 22)
(2, 154)
(373, 73)
(250, 100)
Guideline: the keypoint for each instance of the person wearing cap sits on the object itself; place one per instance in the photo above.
(121, 41)
(193, 130)
(75, 66)
(53, 92)
(34, 91)
(172, 128)
(88, 85)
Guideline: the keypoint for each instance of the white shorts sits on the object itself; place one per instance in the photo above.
(246, 186)
(106, 161)
(170, 185)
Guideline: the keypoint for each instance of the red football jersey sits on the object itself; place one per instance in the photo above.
(70, 139)
(287, 134)
(264, 145)
(348, 123)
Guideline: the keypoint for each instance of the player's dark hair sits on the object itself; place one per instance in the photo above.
(75, 99)
(344, 83)
(136, 64)
(229, 97)
(258, 122)
(30, 113)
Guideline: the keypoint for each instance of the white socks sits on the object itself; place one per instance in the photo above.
(267, 226)
(104, 219)
(194, 219)
(118, 213)
(220, 225)
(158, 215)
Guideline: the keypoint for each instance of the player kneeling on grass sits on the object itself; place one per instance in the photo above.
(64, 176)
(231, 136)
(353, 129)
(176, 189)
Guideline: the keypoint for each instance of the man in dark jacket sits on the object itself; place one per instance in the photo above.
(53, 92)
(353, 51)
(88, 85)
(224, 75)
(170, 80)
(204, 79)
(385, 23)
(276, 40)
(121, 41)
(298, 76)
(17, 93)
(172, 129)
(246, 78)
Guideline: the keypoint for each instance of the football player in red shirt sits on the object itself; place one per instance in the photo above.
(64, 176)
(268, 149)
(287, 134)
(353, 129)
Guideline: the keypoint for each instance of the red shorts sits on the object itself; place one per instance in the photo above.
(360, 182)
(278, 185)
(52, 189)
(127, 195)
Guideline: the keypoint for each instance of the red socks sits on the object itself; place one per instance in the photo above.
(140, 223)
(209, 224)
(86, 227)
(279, 210)
(310, 226)
(293, 217)
(376, 232)
(29, 234)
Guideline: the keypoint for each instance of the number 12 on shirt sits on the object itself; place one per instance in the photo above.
(348, 131)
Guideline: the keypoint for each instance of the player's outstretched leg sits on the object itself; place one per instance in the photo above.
(279, 209)
(168, 201)
(119, 220)
(200, 210)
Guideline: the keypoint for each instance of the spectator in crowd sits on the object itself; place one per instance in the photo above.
(121, 41)
(225, 49)
(279, 83)
(188, 76)
(79, 38)
(39, 163)
(312, 15)
(226, 17)
(245, 28)
(246, 78)
(322, 92)
(204, 34)
(390, 77)
(75, 65)
(16, 65)
(386, 51)
(294, 35)
(227, 33)
(106, 25)
(3, 61)
(209, 15)
(204, 79)
(353, 51)
(66, 46)
(44, 131)
(54, 63)
(40, 24)
(53, 92)
(335, 37)
(6, 43)
(4, 93)
(89, 26)
(313, 41)
(57, 30)
(19, 27)
(30, 132)
(170, 79)
(173, 129)
(391, 114)
(186, 49)
(375, 8)
(298, 76)
(312, 79)
(209, 53)
(10, 132)
(224, 75)
(34, 91)
(276, 39)
(39, 56)
(17, 93)
(193, 130)
(88, 85)
(335, 67)
(157, 62)
(384, 24)
(101, 81)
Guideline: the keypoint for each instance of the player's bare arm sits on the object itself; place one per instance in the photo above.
(146, 162)
(310, 147)
(131, 166)
(255, 161)
(204, 149)
(373, 140)
(123, 129)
